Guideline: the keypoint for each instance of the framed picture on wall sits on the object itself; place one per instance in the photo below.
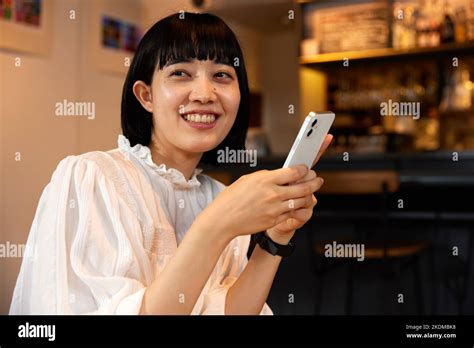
(112, 36)
(26, 25)
(119, 35)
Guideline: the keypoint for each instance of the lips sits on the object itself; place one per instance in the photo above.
(199, 118)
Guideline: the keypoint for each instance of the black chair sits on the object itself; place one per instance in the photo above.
(455, 272)
(393, 256)
(441, 191)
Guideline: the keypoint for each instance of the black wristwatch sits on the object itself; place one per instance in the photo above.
(273, 248)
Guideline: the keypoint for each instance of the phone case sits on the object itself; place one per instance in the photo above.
(309, 139)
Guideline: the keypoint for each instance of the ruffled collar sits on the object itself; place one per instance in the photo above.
(171, 174)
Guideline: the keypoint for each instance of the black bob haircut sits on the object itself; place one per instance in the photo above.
(184, 36)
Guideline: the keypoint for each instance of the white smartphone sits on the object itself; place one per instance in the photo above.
(309, 139)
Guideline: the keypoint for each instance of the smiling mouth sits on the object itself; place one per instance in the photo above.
(200, 118)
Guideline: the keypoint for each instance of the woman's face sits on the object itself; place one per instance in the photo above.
(195, 104)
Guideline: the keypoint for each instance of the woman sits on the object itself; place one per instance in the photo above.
(139, 229)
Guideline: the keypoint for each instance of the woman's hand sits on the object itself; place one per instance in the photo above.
(258, 201)
(283, 232)
(263, 200)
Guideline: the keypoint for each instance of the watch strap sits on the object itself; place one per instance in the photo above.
(267, 244)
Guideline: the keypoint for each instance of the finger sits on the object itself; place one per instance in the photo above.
(303, 214)
(314, 201)
(324, 146)
(300, 190)
(294, 204)
(309, 176)
(284, 176)
(297, 216)
(283, 217)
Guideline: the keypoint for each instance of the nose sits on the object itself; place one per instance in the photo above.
(202, 90)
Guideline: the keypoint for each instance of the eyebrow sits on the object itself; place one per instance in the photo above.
(188, 60)
(178, 60)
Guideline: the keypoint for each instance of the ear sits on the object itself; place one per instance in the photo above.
(143, 94)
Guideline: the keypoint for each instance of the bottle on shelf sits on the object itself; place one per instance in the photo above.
(436, 16)
(427, 132)
(434, 33)
(447, 26)
(460, 26)
(404, 27)
(429, 23)
(470, 22)
(462, 98)
(397, 27)
(422, 25)
(457, 94)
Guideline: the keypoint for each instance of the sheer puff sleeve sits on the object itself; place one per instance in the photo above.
(85, 243)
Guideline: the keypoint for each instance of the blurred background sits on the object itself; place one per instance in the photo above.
(398, 175)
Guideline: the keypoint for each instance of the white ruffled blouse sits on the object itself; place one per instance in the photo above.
(106, 226)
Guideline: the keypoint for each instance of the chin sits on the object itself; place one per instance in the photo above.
(199, 148)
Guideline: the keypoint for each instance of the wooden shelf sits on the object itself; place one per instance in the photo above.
(385, 53)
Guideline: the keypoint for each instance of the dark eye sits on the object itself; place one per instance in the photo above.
(223, 74)
(179, 73)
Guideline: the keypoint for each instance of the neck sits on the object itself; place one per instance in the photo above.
(175, 158)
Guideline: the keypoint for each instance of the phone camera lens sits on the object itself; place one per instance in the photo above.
(309, 133)
(314, 122)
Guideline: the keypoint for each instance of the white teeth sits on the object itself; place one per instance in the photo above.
(200, 118)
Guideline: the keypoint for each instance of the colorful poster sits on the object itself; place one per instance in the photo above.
(6, 9)
(130, 37)
(28, 11)
(120, 35)
(110, 32)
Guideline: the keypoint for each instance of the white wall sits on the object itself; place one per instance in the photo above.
(102, 87)
(280, 84)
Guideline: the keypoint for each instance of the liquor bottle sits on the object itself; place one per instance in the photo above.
(434, 36)
(422, 22)
(409, 33)
(470, 22)
(397, 27)
(447, 26)
(460, 30)
(435, 15)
